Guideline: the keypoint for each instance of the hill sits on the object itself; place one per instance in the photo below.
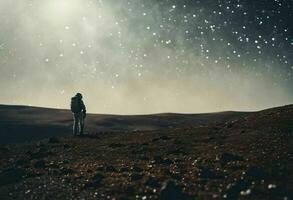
(249, 156)
(24, 123)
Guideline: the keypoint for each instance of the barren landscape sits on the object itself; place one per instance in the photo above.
(229, 155)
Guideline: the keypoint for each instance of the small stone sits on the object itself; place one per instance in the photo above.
(136, 169)
(67, 171)
(53, 140)
(257, 173)
(271, 186)
(27, 191)
(208, 174)
(4, 149)
(21, 162)
(171, 191)
(40, 164)
(123, 169)
(177, 151)
(246, 192)
(40, 153)
(177, 142)
(152, 182)
(228, 157)
(95, 181)
(160, 160)
(277, 192)
(11, 176)
(234, 189)
(129, 190)
(164, 137)
(136, 176)
(109, 168)
(116, 145)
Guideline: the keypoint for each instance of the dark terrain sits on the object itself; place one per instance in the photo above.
(229, 155)
(24, 124)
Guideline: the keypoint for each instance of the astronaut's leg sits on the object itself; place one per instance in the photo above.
(81, 123)
(75, 124)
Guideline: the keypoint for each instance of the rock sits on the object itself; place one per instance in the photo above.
(171, 191)
(65, 161)
(123, 198)
(245, 192)
(257, 173)
(164, 137)
(208, 139)
(66, 146)
(175, 175)
(116, 145)
(177, 151)
(280, 173)
(123, 169)
(33, 174)
(160, 160)
(136, 176)
(177, 142)
(277, 192)
(217, 128)
(143, 157)
(40, 144)
(66, 171)
(136, 169)
(40, 153)
(40, 164)
(98, 176)
(234, 189)
(100, 168)
(21, 162)
(53, 165)
(207, 173)
(95, 180)
(92, 136)
(129, 190)
(167, 161)
(229, 125)
(152, 182)
(228, 157)
(109, 168)
(136, 151)
(4, 149)
(11, 176)
(155, 139)
(53, 140)
(106, 168)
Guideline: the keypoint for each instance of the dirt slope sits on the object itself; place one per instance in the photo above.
(246, 158)
(23, 123)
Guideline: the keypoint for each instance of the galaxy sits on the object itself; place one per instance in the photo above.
(147, 56)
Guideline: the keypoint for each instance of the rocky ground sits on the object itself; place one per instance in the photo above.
(247, 158)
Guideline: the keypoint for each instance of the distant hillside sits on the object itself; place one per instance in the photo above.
(24, 123)
(202, 156)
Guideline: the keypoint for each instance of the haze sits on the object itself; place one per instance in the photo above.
(128, 57)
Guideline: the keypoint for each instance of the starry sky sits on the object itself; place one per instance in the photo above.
(147, 56)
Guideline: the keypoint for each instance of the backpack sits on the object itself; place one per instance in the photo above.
(75, 105)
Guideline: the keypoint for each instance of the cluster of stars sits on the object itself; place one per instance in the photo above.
(196, 35)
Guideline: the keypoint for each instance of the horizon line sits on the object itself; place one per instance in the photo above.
(159, 113)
